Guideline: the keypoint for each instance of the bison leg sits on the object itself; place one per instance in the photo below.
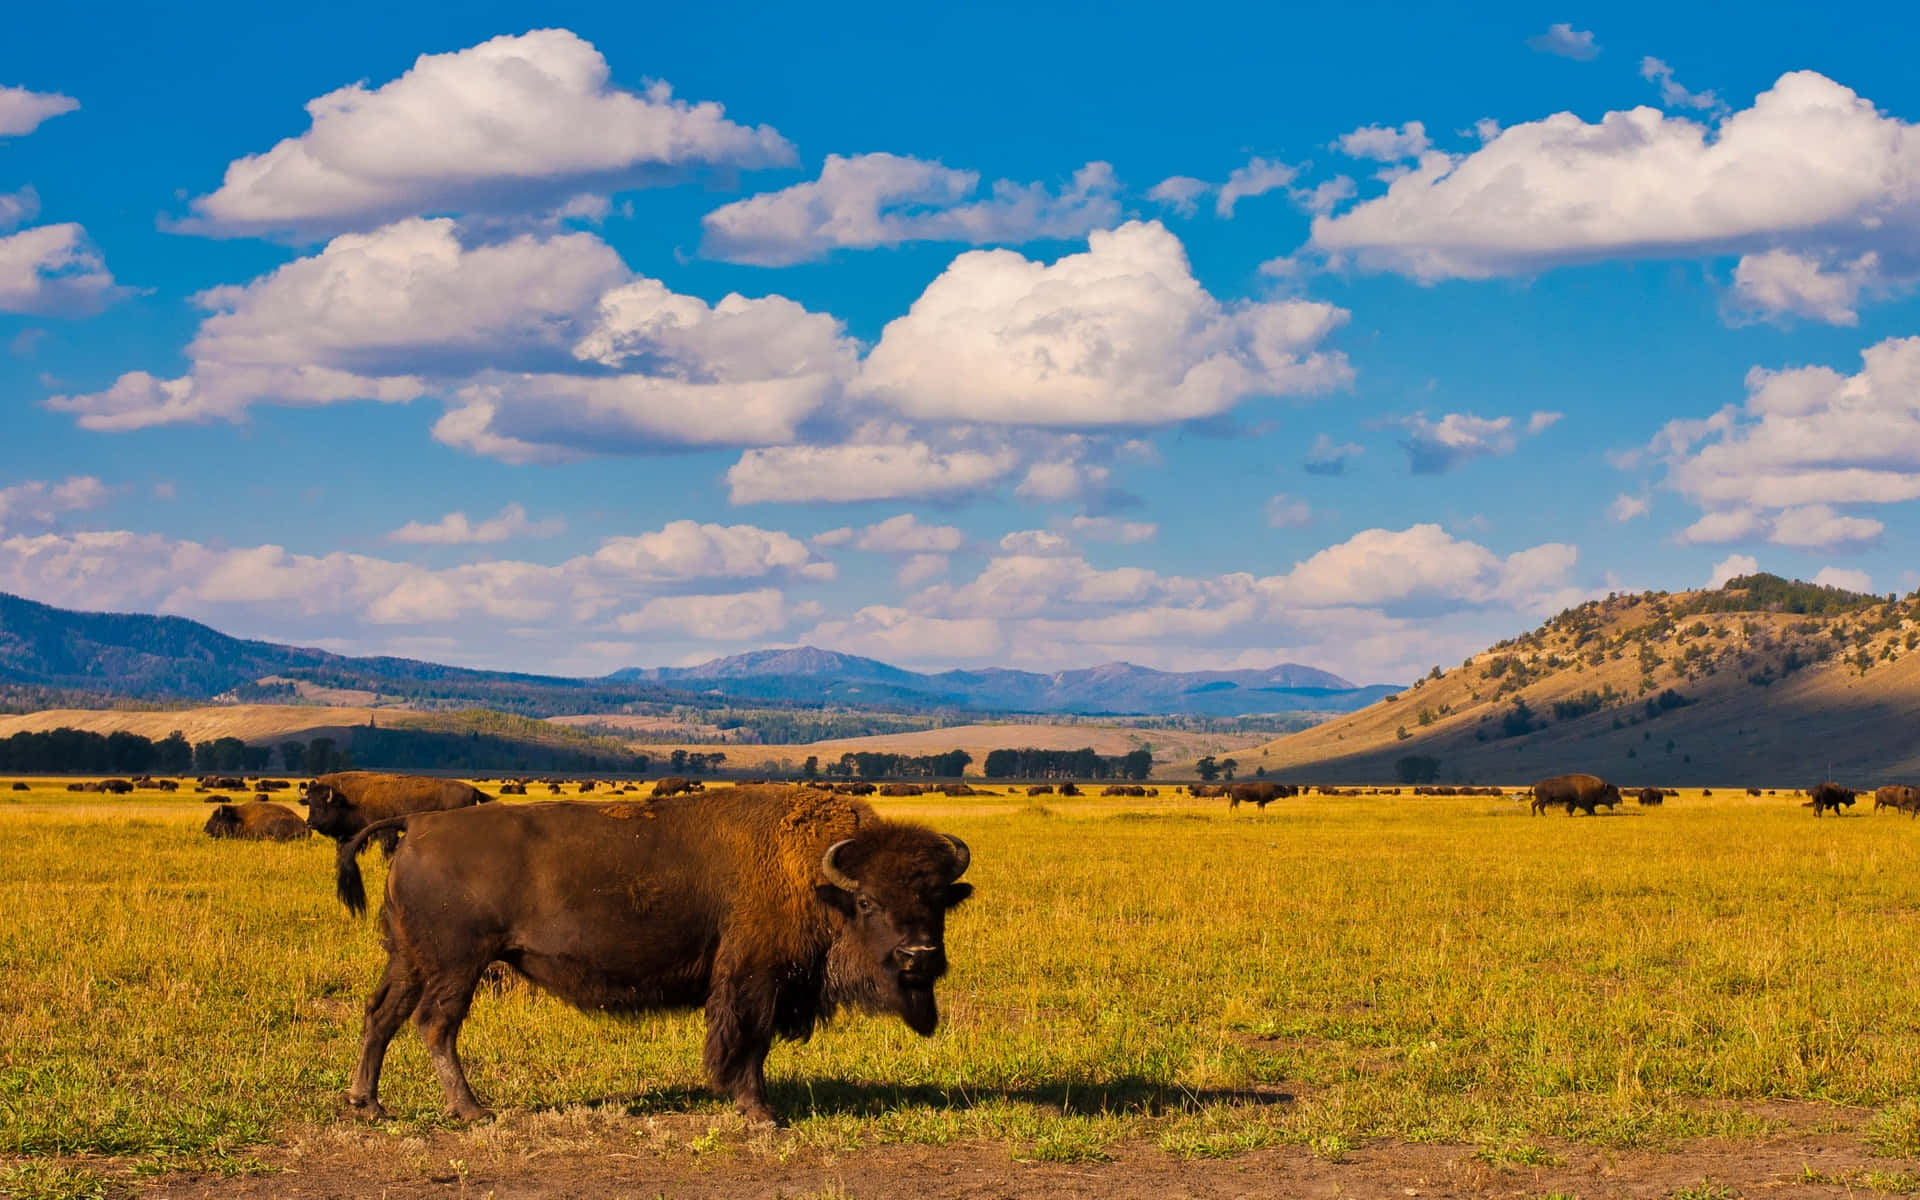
(392, 1002)
(739, 1034)
(442, 1010)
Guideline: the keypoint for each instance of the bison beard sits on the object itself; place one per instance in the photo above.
(711, 902)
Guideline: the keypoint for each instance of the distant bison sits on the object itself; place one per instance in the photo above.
(1830, 795)
(674, 785)
(771, 907)
(256, 821)
(1651, 797)
(343, 803)
(1584, 792)
(1040, 789)
(1896, 796)
(21, 787)
(1257, 794)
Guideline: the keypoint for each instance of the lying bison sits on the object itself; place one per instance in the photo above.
(1650, 797)
(256, 821)
(1898, 797)
(771, 907)
(1830, 796)
(1584, 792)
(340, 805)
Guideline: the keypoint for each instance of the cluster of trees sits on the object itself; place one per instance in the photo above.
(680, 762)
(1084, 763)
(869, 765)
(123, 753)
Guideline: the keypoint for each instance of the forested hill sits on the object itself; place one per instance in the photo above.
(1765, 682)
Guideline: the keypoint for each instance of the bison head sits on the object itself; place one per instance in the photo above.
(329, 812)
(224, 822)
(891, 887)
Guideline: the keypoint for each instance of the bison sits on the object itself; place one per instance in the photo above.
(340, 805)
(1898, 797)
(1040, 789)
(1651, 797)
(256, 821)
(19, 786)
(1584, 792)
(769, 907)
(674, 785)
(1830, 795)
(1257, 794)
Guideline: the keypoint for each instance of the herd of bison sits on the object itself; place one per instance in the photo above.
(769, 906)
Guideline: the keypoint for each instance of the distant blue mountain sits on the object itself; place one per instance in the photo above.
(808, 674)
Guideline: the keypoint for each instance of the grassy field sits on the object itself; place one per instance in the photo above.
(1132, 973)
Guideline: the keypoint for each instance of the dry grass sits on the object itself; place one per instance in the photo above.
(1329, 972)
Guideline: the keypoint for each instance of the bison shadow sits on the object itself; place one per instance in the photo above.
(801, 1098)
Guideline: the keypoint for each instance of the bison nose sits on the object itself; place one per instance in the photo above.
(920, 962)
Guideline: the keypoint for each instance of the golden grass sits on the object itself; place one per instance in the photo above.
(1328, 972)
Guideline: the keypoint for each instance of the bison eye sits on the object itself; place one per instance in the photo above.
(864, 905)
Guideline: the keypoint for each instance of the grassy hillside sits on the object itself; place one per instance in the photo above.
(1763, 682)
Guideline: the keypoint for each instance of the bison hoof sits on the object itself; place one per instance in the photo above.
(759, 1116)
(365, 1109)
(472, 1113)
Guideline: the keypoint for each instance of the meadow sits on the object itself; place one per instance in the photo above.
(1141, 977)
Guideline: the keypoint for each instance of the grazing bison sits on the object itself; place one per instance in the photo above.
(256, 821)
(1040, 789)
(1584, 792)
(1651, 797)
(771, 907)
(674, 785)
(1257, 794)
(1830, 795)
(1898, 797)
(340, 805)
(18, 786)
(513, 789)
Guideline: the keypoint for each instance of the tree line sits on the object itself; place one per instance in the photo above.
(1084, 763)
(83, 752)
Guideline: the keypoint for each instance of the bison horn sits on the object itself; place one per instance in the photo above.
(961, 855)
(834, 874)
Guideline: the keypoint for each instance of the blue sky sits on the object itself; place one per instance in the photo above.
(601, 336)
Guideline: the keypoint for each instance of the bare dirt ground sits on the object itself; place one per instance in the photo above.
(1817, 1151)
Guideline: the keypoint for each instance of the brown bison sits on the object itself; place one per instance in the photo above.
(674, 785)
(1257, 794)
(340, 805)
(1898, 797)
(769, 907)
(1651, 797)
(1830, 795)
(1584, 792)
(19, 786)
(1040, 789)
(256, 821)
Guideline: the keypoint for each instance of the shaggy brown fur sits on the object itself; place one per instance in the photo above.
(256, 821)
(1898, 797)
(1831, 796)
(718, 901)
(1584, 792)
(342, 804)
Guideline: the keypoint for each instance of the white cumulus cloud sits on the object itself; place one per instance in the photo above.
(862, 471)
(1811, 168)
(38, 503)
(1733, 566)
(867, 200)
(906, 534)
(1842, 577)
(52, 270)
(22, 111)
(1563, 39)
(1121, 334)
(1434, 447)
(1384, 143)
(517, 123)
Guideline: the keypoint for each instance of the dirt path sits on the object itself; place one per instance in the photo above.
(581, 1154)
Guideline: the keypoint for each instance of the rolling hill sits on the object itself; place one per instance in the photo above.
(1763, 682)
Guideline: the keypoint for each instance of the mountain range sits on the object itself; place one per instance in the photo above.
(70, 656)
(813, 675)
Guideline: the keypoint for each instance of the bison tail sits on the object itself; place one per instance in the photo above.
(347, 883)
